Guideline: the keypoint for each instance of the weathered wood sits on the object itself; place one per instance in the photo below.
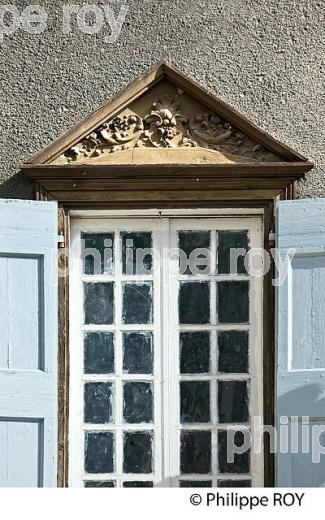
(197, 183)
(63, 345)
(40, 172)
(63, 352)
(268, 349)
(100, 183)
(88, 197)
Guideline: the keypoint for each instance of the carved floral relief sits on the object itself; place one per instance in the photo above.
(167, 126)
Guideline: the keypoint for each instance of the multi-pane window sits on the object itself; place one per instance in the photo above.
(165, 352)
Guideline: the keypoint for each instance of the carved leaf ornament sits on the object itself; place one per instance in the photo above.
(165, 127)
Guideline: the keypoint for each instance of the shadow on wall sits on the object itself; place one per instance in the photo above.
(17, 187)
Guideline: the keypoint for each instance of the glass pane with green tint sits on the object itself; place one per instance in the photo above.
(98, 253)
(194, 303)
(232, 245)
(99, 353)
(195, 401)
(137, 402)
(195, 352)
(233, 302)
(99, 452)
(137, 303)
(100, 484)
(138, 484)
(233, 351)
(195, 452)
(233, 401)
(98, 403)
(195, 483)
(194, 249)
(241, 462)
(234, 483)
(99, 303)
(137, 452)
(136, 252)
(137, 353)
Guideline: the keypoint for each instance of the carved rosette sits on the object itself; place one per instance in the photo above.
(166, 126)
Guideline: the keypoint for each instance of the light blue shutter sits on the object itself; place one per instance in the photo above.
(28, 343)
(301, 342)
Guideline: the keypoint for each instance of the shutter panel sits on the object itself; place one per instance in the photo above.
(28, 343)
(301, 340)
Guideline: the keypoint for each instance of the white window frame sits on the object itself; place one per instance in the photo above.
(77, 328)
(254, 226)
(167, 459)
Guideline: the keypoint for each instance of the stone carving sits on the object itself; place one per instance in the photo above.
(166, 126)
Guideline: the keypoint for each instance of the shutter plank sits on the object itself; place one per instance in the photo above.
(28, 343)
(300, 377)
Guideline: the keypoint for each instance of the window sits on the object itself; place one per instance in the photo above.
(166, 351)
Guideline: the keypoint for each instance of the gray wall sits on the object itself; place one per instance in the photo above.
(264, 57)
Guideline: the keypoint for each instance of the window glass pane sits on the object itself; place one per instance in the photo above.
(100, 484)
(137, 452)
(99, 448)
(98, 403)
(99, 303)
(98, 253)
(137, 303)
(234, 483)
(195, 452)
(233, 303)
(136, 253)
(194, 352)
(99, 353)
(195, 401)
(138, 484)
(233, 351)
(137, 402)
(195, 483)
(194, 303)
(206, 356)
(233, 401)
(241, 462)
(228, 240)
(195, 245)
(137, 353)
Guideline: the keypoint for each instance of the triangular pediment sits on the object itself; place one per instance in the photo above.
(166, 125)
(165, 118)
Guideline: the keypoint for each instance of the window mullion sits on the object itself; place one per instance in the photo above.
(118, 357)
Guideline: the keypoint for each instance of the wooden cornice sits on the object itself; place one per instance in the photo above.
(97, 184)
(41, 172)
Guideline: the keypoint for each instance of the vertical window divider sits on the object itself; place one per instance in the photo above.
(213, 358)
(165, 351)
(157, 334)
(118, 355)
(76, 379)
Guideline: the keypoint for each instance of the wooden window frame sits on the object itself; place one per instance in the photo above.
(267, 209)
(177, 197)
(253, 185)
(179, 201)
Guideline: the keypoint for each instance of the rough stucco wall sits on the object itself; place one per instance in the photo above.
(264, 57)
